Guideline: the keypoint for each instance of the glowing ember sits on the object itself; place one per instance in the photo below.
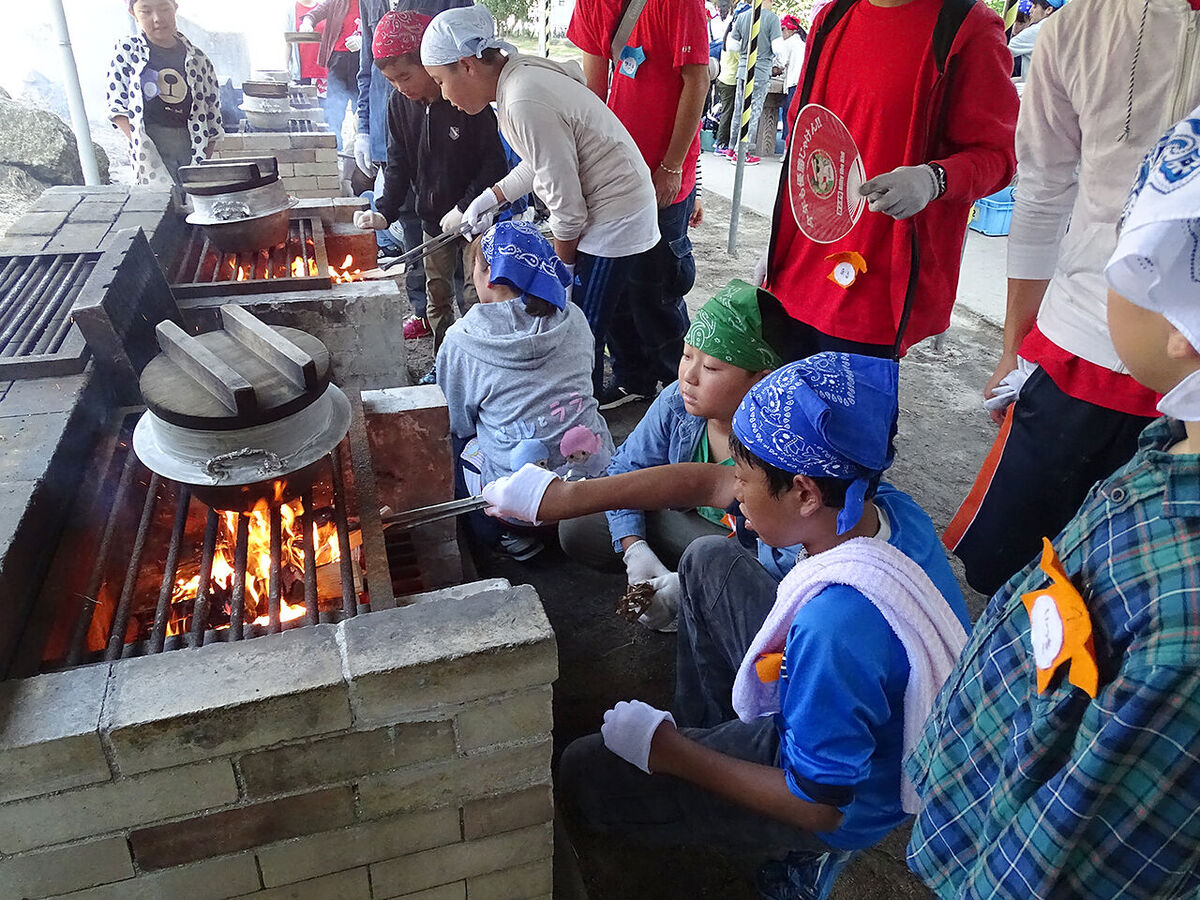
(346, 273)
(258, 562)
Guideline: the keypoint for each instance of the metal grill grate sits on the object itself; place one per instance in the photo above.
(202, 270)
(36, 296)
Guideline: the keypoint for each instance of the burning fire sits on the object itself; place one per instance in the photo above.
(346, 273)
(258, 562)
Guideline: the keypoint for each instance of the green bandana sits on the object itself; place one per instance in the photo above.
(729, 327)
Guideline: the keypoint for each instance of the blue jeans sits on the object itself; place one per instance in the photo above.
(600, 280)
(342, 91)
(645, 337)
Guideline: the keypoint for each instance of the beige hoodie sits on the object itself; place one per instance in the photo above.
(576, 155)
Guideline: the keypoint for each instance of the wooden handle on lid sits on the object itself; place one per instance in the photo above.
(234, 391)
(272, 347)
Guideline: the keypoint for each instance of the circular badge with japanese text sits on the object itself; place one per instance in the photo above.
(824, 175)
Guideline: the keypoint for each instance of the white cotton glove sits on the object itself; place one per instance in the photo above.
(452, 220)
(362, 154)
(663, 611)
(519, 495)
(571, 282)
(760, 271)
(482, 211)
(306, 25)
(902, 192)
(629, 728)
(1009, 389)
(369, 220)
(641, 565)
(354, 42)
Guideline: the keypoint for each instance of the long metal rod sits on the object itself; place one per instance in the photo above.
(52, 308)
(10, 274)
(23, 308)
(18, 291)
(79, 118)
(241, 553)
(116, 634)
(68, 320)
(349, 595)
(308, 548)
(167, 590)
(200, 610)
(276, 570)
(91, 594)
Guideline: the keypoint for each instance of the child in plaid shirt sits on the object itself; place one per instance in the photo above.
(1062, 757)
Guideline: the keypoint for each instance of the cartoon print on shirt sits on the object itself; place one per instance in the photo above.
(584, 453)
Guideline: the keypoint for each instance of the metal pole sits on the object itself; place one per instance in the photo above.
(79, 119)
(745, 93)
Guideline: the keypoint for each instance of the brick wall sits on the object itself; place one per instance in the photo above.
(401, 754)
(308, 163)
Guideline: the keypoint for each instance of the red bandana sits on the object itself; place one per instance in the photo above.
(399, 33)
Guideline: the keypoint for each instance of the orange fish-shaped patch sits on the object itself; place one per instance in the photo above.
(768, 667)
(1061, 628)
(847, 266)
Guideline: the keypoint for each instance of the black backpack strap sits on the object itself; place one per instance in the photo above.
(949, 20)
(836, 13)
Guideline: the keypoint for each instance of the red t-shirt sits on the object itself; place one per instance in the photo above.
(668, 34)
(309, 67)
(350, 24)
(872, 88)
(1087, 381)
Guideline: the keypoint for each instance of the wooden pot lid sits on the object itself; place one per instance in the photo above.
(247, 374)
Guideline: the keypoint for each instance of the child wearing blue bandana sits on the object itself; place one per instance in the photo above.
(516, 369)
(795, 700)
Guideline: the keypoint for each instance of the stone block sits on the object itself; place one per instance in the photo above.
(269, 142)
(455, 781)
(218, 878)
(241, 828)
(408, 874)
(44, 223)
(173, 708)
(409, 433)
(306, 183)
(312, 168)
(458, 591)
(296, 156)
(311, 195)
(24, 243)
(527, 882)
(103, 808)
(230, 142)
(149, 221)
(96, 210)
(52, 201)
(287, 170)
(25, 439)
(63, 869)
(314, 141)
(48, 736)
(500, 720)
(344, 756)
(329, 182)
(307, 857)
(148, 199)
(43, 395)
(455, 891)
(353, 884)
(327, 155)
(494, 815)
(79, 237)
(408, 660)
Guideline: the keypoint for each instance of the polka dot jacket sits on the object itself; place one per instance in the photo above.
(130, 58)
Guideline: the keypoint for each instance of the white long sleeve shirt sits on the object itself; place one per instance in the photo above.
(1075, 160)
(577, 157)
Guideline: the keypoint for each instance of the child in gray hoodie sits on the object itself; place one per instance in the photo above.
(516, 369)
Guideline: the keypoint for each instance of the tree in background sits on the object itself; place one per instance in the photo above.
(802, 9)
(510, 15)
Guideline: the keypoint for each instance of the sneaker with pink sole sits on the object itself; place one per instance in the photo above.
(416, 327)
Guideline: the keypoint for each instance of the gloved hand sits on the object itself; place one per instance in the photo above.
(1009, 389)
(362, 154)
(641, 565)
(902, 192)
(518, 496)
(481, 212)
(452, 220)
(306, 25)
(760, 271)
(629, 728)
(663, 610)
(354, 42)
(369, 220)
(571, 283)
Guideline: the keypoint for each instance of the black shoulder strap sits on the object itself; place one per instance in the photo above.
(836, 13)
(949, 20)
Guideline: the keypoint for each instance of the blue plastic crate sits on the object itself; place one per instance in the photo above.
(992, 215)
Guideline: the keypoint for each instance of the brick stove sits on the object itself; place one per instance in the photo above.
(398, 748)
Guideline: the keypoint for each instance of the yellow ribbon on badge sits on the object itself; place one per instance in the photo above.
(1060, 628)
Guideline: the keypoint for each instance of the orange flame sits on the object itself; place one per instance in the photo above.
(346, 273)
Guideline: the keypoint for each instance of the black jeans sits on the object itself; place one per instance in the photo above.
(645, 336)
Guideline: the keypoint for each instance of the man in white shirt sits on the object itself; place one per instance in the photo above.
(1021, 43)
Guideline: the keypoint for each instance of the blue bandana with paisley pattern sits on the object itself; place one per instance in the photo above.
(830, 415)
(524, 260)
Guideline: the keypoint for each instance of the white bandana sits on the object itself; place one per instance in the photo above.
(1157, 261)
(460, 32)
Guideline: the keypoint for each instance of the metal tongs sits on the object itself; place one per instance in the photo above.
(401, 263)
(412, 518)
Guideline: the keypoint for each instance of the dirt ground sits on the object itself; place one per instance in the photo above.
(943, 436)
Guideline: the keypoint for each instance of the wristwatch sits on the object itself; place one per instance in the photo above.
(939, 175)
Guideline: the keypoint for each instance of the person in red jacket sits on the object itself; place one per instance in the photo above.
(933, 116)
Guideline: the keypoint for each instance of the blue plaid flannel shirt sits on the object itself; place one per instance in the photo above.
(1059, 795)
